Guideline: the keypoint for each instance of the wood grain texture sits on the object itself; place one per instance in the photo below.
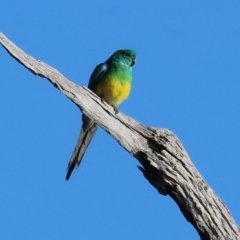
(164, 161)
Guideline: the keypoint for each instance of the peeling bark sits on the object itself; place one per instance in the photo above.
(164, 161)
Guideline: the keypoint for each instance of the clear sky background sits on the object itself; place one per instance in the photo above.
(186, 80)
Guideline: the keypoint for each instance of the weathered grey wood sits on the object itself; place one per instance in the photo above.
(165, 163)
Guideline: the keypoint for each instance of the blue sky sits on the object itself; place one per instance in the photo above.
(186, 79)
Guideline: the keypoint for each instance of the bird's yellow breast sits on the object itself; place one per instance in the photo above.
(113, 91)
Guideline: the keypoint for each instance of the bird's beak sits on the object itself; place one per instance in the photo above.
(133, 61)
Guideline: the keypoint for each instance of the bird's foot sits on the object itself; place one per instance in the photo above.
(115, 110)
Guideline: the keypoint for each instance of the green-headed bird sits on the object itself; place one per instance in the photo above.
(111, 81)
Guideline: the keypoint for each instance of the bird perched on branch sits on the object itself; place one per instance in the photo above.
(111, 81)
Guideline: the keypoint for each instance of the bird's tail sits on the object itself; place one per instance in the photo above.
(85, 136)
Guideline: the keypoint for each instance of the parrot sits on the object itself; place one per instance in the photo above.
(111, 81)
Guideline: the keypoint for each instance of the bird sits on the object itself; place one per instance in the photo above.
(111, 81)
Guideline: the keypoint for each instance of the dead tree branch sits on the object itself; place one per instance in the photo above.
(165, 163)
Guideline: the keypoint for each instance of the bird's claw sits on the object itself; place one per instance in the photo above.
(115, 110)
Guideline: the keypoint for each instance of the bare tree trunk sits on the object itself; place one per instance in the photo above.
(165, 163)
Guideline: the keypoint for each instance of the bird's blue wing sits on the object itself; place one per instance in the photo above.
(96, 75)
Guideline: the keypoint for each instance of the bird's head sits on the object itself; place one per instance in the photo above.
(125, 56)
